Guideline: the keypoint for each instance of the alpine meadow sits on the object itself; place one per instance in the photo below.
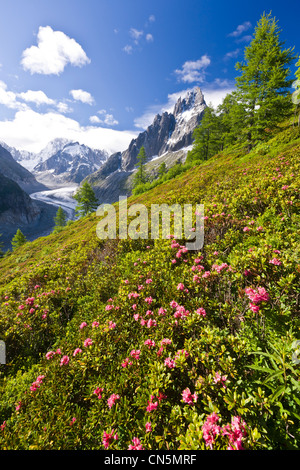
(140, 343)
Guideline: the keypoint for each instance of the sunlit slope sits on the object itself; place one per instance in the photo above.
(142, 343)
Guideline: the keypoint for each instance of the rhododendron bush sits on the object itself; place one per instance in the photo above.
(143, 344)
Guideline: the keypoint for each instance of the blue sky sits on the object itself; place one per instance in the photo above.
(97, 71)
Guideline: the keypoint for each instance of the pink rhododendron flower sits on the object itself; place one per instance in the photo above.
(275, 261)
(112, 399)
(35, 385)
(112, 325)
(151, 406)
(136, 444)
(98, 392)
(220, 379)
(201, 311)
(255, 308)
(50, 354)
(151, 322)
(211, 429)
(77, 351)
(135, 353)
(258, 295)
(148, 427)
(170, 363)
(95, 324)
(162, 311)
(108, 438)
(188, 397)
(87, 342)
(83, 324)
(64, 361)
(165, 341)
(180, 286)
(126, 363)
(150, 343)
(19, 405)
(235, 431)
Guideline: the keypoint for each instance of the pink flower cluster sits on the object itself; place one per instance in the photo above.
(136, 444)
(275, 261)
(108, 438)
(35, 385)
(220, 379)
(97, 392)
(235, 431)
(151, 405)
(256, 297)
(188, 397)
(180, 310)
(112, 399)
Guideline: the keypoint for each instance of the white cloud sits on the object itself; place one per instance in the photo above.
(151, 18)
(193, 71)
(32, 131)
(149, 38)
(83, 96)
(108, 119)
(63, 108)
(95, 120)
(53, 52)
(214, 97)
(128, 49)
(37, 97)
(241, 28)
(232, 54)
(9, 98)
(246, 38)
(136, 34)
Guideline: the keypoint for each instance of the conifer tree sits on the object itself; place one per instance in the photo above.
(18, 240)
(86, 199)
(263, 86)
(207, 136)
(140, 176)
(162, 170)
(60, 219)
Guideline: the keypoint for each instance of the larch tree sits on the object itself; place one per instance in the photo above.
(263, 87)
(18, 240)
(87, 201)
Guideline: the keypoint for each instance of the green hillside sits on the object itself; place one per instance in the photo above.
(118, 344)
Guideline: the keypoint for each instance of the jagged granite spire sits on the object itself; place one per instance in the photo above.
(169, 131)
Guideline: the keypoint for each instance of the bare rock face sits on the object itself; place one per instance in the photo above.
(14, 171)
(16, 207)
(169, 131)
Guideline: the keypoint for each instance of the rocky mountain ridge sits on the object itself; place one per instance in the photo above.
(167, 140)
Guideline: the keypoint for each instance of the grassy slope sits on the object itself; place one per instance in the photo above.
(52, 285)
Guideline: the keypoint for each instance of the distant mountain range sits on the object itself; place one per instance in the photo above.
(65, 164)
(61, 162)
